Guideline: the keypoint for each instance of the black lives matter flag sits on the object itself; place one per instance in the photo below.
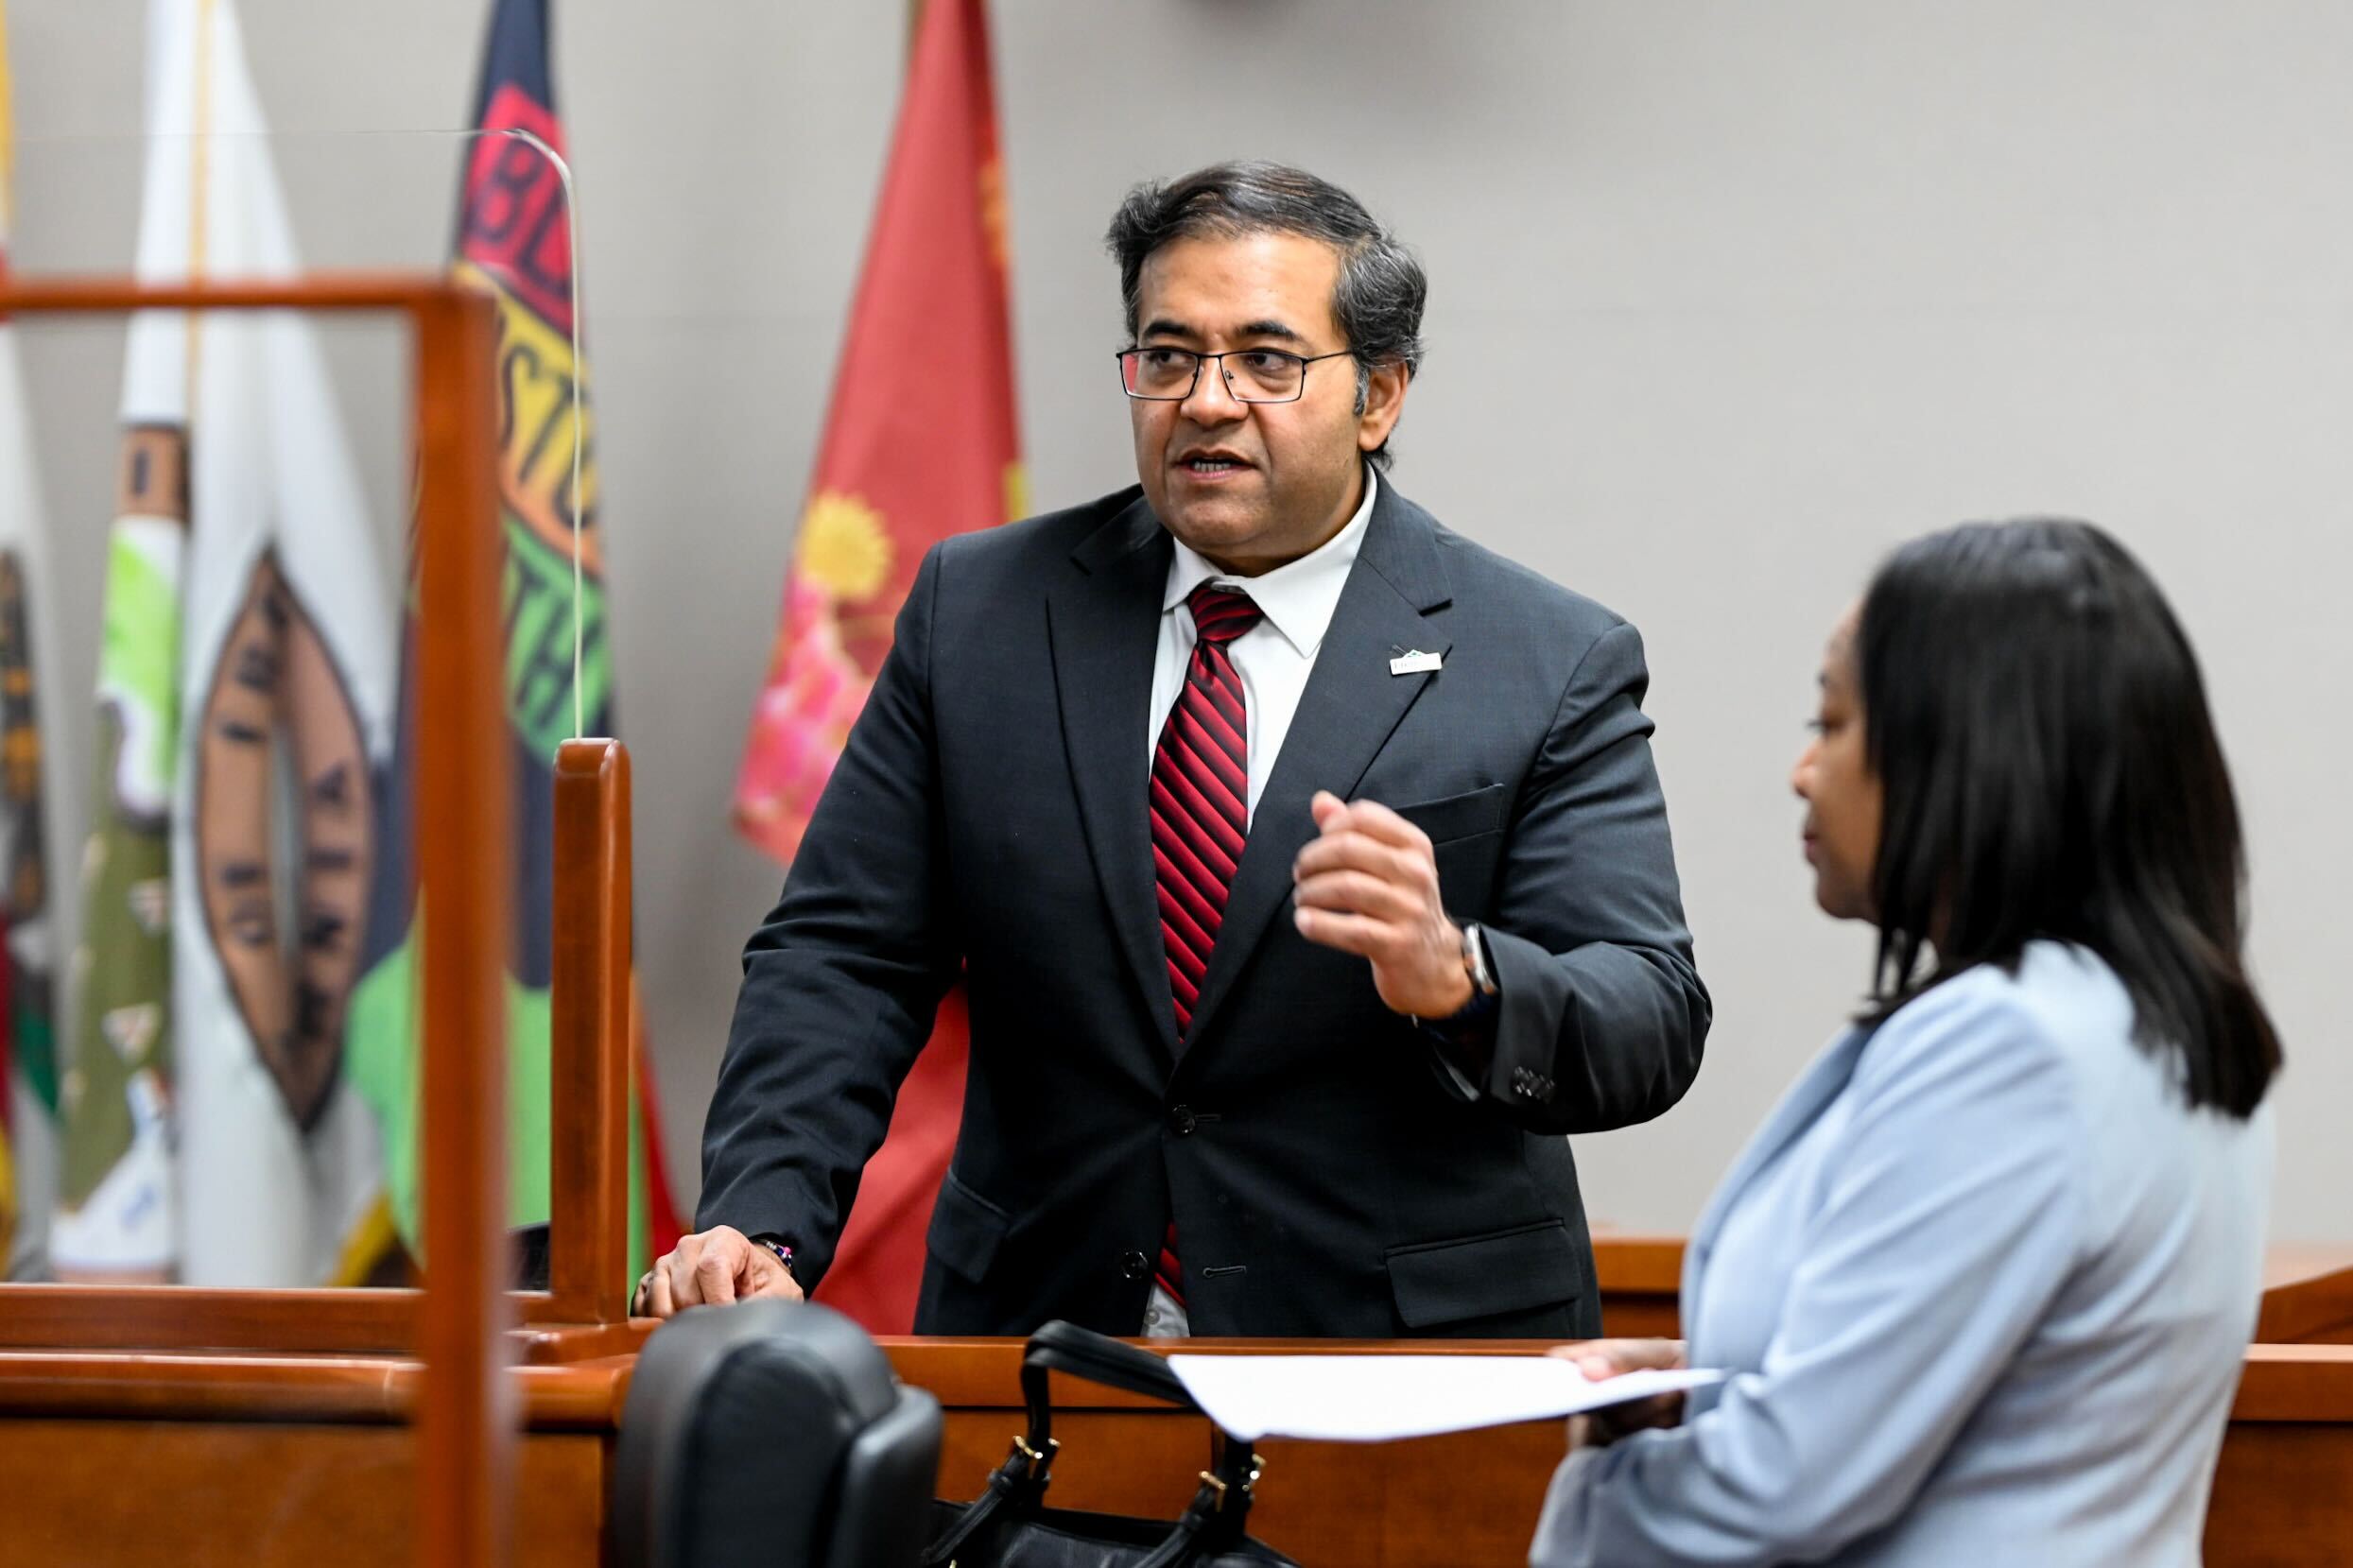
(514, 241)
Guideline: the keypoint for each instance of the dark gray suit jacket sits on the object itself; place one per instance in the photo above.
(987, 816)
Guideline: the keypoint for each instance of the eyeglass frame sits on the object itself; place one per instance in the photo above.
(1200, 359)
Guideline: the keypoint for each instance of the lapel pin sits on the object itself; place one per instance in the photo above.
(1414, 662)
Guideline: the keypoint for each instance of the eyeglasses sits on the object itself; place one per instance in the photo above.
(1251, 376)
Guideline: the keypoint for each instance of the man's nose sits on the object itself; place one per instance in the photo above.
(1211, 401)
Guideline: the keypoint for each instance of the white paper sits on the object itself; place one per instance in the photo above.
(1382, 1398)
(1414, 662)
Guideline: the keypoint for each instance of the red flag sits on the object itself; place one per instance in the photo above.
(920, 444)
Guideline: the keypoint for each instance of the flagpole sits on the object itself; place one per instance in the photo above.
(200, 195)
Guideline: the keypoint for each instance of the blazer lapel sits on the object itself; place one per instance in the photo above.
(1104, 628)
(1819, 1085)
(1351, 705)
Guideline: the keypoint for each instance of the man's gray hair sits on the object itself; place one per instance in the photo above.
(1378, 302)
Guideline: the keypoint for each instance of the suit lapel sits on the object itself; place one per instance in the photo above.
(1351, 705)
(1104, 628)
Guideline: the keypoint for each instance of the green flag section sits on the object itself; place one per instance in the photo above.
(514, 243)
(387, 998)
(246, 681)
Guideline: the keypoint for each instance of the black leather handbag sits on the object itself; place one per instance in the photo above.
(1008, 1526)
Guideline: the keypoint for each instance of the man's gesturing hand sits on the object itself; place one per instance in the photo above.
(1368, 885)
(711, 1268)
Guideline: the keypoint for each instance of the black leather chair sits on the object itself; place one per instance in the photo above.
(770, 1433)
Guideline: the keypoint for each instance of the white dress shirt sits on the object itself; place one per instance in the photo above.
(1274, 659)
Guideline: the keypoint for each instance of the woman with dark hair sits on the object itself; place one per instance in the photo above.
(1982, 1283)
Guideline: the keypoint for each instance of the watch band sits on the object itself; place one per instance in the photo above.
(782, 1249)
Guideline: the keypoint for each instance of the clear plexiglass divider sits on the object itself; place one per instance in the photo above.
(217, 649)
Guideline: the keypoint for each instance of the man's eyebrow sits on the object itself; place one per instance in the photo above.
(1265, 328)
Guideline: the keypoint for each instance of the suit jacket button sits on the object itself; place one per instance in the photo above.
(1181, 1120)
(1134, 1264)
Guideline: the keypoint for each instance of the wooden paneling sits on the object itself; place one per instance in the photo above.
(2307, 1296)
(1641, 1280)
(112, 1494)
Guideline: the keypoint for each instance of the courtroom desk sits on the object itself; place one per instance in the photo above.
(120, 1457)
(2307, 1297)
(1641, 1281)
(2308, 1291)
(2283, 1495)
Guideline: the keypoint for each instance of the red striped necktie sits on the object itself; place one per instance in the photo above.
(1201, 813)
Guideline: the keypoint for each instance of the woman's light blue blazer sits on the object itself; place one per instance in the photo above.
(1983, 1284)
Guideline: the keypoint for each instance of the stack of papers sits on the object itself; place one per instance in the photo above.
(1383, 1397)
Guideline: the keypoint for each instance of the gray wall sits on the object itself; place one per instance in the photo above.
(1727, 298)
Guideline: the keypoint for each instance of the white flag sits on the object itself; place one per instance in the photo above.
(283, 690)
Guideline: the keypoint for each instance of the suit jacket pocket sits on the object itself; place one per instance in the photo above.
(966, 1230)
(1515, 1270)
(1463, 816)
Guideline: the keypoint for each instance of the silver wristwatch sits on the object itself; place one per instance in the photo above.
(1475, 962)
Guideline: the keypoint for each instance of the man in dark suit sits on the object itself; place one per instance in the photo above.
(1304, 861)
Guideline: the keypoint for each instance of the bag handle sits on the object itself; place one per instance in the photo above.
(1061, 1346)
(1213, 1522)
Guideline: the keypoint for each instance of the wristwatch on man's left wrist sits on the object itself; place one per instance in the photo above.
(777, 1245)
(1472, 1016)
(1475, 963)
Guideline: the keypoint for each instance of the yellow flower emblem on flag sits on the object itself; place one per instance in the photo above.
(844, 548)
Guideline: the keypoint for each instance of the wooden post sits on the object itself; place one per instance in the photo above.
(465, 1423)
(588, 1184)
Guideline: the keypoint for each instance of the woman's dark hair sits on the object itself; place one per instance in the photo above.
(2038, 724)
(1378, 302)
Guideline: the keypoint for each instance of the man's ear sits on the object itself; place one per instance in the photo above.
(1384, 400)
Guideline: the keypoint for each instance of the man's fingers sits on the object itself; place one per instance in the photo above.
(1359, 893)
(662, 1303)
(715, 1274)
(1357, 852)
(771, 1278)
(1357, 933)
(1376, 820)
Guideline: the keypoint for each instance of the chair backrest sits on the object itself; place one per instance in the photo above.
(770, 1433)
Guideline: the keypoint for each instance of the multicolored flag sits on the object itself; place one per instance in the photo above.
(921, 443)
(245, 684)
(514, 240)
(28, 1028)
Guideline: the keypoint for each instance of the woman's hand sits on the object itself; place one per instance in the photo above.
(1600, 1359)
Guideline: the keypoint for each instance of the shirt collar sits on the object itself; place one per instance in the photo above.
(1298, 597)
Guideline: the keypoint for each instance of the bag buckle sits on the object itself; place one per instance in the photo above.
(1039, 1463)
(1250, 1482)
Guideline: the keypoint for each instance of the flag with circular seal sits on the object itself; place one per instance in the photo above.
(245, 684)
